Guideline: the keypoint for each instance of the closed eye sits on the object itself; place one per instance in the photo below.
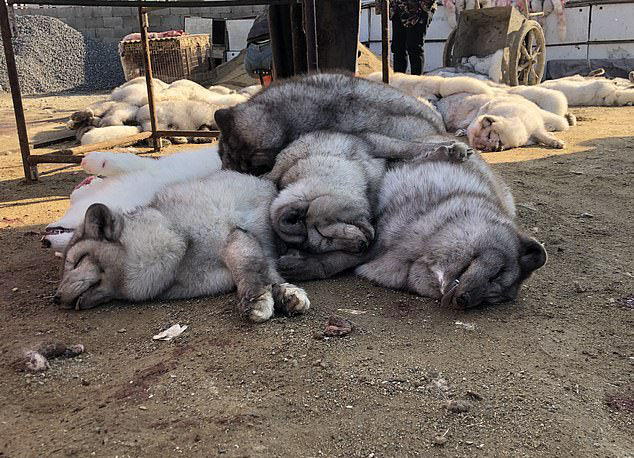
(80, 260)
(497, 275)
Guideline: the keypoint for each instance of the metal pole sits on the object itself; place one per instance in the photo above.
(385, 40)
(143, 22)
(30, 172)
(311, 35)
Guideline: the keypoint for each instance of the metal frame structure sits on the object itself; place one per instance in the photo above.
(74, 155)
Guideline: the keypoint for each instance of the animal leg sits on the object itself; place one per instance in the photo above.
(553, 122)
(257, 281)
(548, 139)
(341, 236)
(301, 266)
(392, 148)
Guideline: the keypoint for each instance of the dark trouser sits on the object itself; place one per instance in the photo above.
(408, 41)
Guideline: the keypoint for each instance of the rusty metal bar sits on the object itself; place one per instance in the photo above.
(147, 63)
(385, 40)
(311, 35)
(123, 141)
(55, 159)
(30, 173)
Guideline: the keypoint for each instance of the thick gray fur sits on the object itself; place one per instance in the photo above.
(326, 209)
(447, 231)
(199, 238)
(398, 126)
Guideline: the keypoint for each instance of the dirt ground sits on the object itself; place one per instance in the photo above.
(551, 375)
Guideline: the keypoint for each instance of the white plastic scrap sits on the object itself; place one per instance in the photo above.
(170, 333)
(467, 326)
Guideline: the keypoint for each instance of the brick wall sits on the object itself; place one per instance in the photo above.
(110, 24)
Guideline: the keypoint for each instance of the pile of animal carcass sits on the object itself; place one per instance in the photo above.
(495, 116)
(320, 174)
(181, 105)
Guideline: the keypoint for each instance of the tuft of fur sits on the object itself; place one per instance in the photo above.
(447, 231)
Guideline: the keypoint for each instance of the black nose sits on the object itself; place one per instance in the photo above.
(463, 300)
(57, 299)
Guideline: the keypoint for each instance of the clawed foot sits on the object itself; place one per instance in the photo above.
(452, 152)
(290, 299)
(259, 308)
(557, 144)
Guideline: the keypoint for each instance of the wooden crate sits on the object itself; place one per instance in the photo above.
(172, 58)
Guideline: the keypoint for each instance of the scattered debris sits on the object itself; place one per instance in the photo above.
(15, 290)
(336, 327)
(37, 360)
(458, 406)
(467, 326)
(440, 440)
(170, 333)
(527, 206)
(474, 395)
(627, 301)
(586, 215)
(352, 311)
(622, 399)
(122, 330)
(579, 288)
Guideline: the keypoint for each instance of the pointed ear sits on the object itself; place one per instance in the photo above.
(101, 224)
(224, 120)
(532, 255)
(487, 121)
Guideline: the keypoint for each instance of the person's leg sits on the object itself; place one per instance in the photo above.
(415, 40)
(399, 36)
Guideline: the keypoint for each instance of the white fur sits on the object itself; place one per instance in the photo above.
(593, 91)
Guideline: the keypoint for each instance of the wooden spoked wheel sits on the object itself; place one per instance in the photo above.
(527, 57)
(447, 52)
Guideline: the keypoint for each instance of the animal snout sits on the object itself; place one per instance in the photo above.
(57, 299)
(464, 300)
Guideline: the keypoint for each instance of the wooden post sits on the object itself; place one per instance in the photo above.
(143, 23)
(311, 35)
(30, 172)
(385, 40)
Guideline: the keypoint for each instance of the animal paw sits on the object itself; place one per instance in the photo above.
(453, 152)
(291, 299)
(460, 133)
(571, 118)
(259, 308)
(556, 143)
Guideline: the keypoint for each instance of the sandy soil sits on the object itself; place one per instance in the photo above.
(553, 373)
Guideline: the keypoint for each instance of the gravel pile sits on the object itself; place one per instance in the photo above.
(53, 57)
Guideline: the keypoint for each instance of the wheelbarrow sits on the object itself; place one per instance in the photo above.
(483, 31)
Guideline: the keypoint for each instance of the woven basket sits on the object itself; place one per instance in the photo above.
(172, 58)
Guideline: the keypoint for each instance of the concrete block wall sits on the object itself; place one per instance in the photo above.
(110, 24)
